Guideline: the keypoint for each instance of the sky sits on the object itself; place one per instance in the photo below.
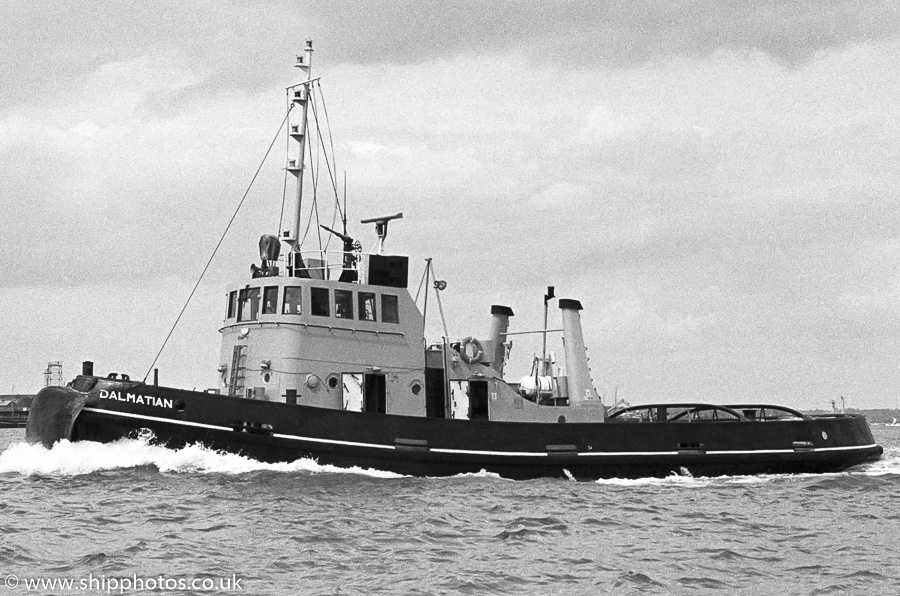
(715, 181)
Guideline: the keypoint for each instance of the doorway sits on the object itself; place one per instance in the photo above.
(478, 399)
(375, 394)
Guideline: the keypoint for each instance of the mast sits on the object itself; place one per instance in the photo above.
(298, 134)
(550, 295)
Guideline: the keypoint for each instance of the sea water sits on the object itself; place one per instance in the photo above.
(132, 517)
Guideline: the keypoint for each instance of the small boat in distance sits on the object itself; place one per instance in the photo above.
(323, 356)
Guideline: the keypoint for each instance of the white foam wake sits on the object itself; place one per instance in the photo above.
(85, 457)
(888, 464)
(673, 480)
(481, 474)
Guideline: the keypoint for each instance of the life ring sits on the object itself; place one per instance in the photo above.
(464, 352)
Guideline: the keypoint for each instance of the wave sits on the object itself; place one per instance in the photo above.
(673, 480)
(86, 457)
(481, 474)
(889, 464)
(883, 467)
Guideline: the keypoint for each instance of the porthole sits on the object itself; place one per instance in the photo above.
(312, 381)
(179, 406)
(266, 377)
(416, 388)
(332, 382)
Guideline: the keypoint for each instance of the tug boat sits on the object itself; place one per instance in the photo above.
(323, 356)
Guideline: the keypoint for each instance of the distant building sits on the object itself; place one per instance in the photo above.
(16, 401)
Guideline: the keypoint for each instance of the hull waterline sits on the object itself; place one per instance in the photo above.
(273, 432)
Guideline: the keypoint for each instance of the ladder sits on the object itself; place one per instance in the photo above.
(238, 366)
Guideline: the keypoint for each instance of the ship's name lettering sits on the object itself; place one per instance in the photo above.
(136, 398)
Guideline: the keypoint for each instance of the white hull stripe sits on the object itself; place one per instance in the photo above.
(157, 418)
(229, 429)
(476, 452)
(846, 448)
(333, 441)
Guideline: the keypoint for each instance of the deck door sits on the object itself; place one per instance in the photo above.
(459, 400)
(375, 393)
(353, 391)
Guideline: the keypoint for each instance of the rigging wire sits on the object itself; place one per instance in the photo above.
(425, 280)
(337, 199)
(315, 171)
(330, 136)
(332, 174)
(314, 177)
(314, 207)
(318, 173)
(422, 281)
(218, 245)
(315, 174)
(287, 148)
(437, 294)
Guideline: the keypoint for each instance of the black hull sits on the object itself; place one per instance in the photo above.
(277, 432)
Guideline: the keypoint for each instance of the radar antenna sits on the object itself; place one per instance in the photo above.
(381, 228)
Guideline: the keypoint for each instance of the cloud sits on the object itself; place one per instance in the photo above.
(50, 45)
(613, 34)
(112, 180)
(716, 182)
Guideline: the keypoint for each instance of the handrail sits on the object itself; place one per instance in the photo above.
(736, 410)
(326, 261)
(322, 260)
(686, 407)
(791, 411)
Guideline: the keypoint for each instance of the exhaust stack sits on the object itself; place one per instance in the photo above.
(581, 389)
(499, 324)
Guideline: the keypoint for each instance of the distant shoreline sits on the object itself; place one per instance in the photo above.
(883, 415)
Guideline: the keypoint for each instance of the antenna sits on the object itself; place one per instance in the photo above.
(381, 227)
(345, 202)
(550, 295)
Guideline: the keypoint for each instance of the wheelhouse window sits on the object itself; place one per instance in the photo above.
(232, 304)
(248, 304)
(318, 298)
(343, 304)
(366, 306)
(292, 301)
(270, 300)
(389, 311)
